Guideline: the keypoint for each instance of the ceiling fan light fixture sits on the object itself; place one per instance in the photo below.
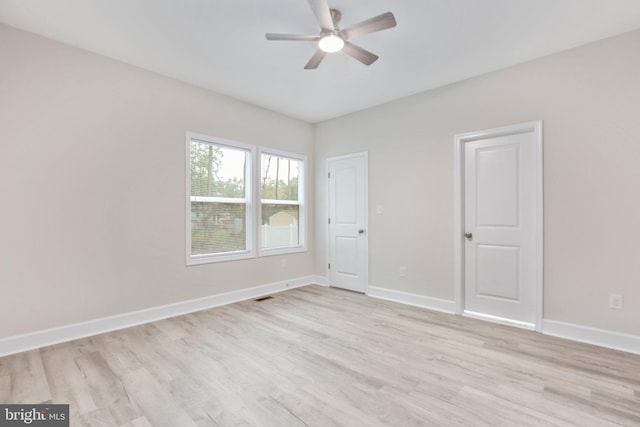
(331, 43)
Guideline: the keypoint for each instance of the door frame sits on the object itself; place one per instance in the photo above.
(459, 208)
(365, 155)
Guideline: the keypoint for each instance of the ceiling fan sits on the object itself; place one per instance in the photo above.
(333, 39)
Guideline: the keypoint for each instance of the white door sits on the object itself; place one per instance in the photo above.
(501, 226)
(347, 191)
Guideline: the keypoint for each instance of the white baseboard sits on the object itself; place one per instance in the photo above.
(586, 334)
(589, 335)
(500, 320)
(321, 280)
(436, 304)
(20, 343)
(30, 341)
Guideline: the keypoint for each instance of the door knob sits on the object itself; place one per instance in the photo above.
(468, 235)
(361, 231)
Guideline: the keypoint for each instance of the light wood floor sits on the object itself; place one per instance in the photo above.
(318, 356)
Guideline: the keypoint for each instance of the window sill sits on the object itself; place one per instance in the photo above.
(281, 251)
(219, 258)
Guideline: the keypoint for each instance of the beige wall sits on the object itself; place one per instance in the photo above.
(588, 99)
(92, 182)
(92, 186)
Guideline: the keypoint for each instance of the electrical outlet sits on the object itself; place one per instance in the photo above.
(616, 301)
(283, 262)
(403, 271)
(379, 209)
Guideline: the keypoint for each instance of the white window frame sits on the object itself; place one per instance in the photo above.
(302, 213)
(249, 202)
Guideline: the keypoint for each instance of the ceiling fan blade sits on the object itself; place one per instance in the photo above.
(323, 15)
(300, 37)
(364, 56)
(315, 60)
(377, 23)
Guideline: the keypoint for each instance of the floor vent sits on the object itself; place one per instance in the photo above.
(263, 298)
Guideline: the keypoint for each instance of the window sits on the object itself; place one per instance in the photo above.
(231, 197)
(282, 191)
(219, 207)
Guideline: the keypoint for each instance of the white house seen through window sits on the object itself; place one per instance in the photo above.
(281, 200)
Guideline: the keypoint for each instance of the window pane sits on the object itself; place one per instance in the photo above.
(280, 226)
(217, 228)
(279, 177)
(217, 171)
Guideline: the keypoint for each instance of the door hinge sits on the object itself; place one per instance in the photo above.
(329, 221)
(329, 266)
(329, 175)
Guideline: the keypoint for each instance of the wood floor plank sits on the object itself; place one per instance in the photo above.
(155, 402)
(317, 356)
(5, 388)
(28, 379)
(66, 381)
(138, 422)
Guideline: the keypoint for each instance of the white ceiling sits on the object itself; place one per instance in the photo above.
(220, 44)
